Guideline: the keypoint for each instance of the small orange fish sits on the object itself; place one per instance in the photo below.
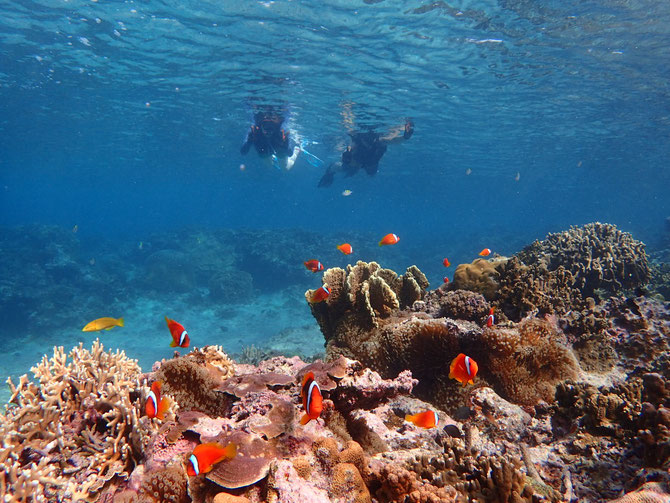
(445, 279)
(345, 248)
(389, 239)
(320, 295)
(485, 252)
(312, 401)
(446, 262)
(426, 419)
(463, 369)
(205, 456)
(179, 334)
(314, 265)
(490, 319)
(103, 324)
(156, 405)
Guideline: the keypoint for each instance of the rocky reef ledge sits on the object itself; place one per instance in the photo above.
(571, 402)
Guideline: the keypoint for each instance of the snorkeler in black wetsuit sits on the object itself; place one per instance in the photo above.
(270, 139)
(365, 151)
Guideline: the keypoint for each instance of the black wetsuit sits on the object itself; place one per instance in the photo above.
(365, 152)
(268, 137)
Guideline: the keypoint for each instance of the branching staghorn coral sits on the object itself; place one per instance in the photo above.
(75, 430)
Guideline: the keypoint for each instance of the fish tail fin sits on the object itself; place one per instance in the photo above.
(163, 408)
(409, 417)
(119, 322)
(305, 419)
(380, 243)
(231, 450)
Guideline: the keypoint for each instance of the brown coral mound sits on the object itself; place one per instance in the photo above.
(599, 256)
(481, 276)
(361, 297)
(77, 429)
(193, 386)
(458, 305)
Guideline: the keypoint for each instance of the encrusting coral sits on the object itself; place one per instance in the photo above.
(75, 430)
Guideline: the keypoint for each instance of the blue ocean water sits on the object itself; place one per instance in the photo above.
(125, 119)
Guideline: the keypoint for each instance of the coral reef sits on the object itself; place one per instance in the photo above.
(571, 402)
(76, 430)
(361, 298)
(598, 256)
(557, 274)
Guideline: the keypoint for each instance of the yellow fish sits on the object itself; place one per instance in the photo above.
(103, 324)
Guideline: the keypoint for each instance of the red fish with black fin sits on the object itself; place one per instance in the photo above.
(485, 252)
(345, 248)
(445, 279)
(179, 334)
(205, 456)
(319, 295)
(389, 239)
(426, 419)
(490, 319)
(312, 401)
(314, 265)
(463, 369)
(156, 405)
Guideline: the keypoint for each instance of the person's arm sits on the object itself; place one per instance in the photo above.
(247, 144)
(399, 133)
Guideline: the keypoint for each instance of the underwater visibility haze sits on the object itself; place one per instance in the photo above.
(135, 184)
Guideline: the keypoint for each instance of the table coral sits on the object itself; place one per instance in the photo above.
(77, 429)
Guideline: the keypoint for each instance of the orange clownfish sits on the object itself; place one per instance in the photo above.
(345, 248)
(446, 262)
(103, 324)
(389, 239)
(314, 265)
(485, 252)
(205, 456)
(490, 319)
(156, 405)
(445, 279)
(463, 369)
(426, 419)
(179, 334)
(320, 295)
(312, 401)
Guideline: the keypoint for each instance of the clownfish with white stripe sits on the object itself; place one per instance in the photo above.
(426, 419)
(389, 239)
(490, 319)
(156, 405)
(312, 401)
(463, 369)
(319, 295)
(179, 334)
(205, 456)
